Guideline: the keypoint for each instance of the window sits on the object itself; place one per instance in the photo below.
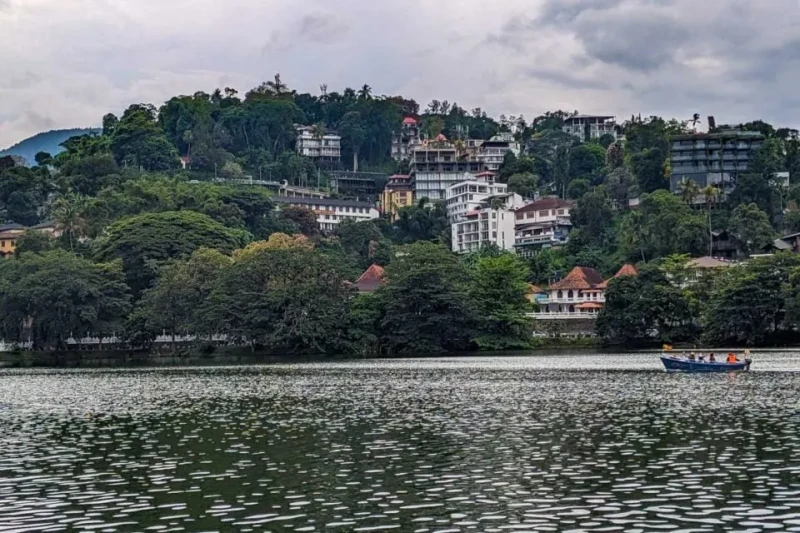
(560, 211)
(3, 244)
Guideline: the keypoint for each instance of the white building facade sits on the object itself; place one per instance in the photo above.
(492, 153)
(483, 227)
(406, 140)
(544, 223)
(330, 213)
(467, 196)
(595, 125)
(327, 147)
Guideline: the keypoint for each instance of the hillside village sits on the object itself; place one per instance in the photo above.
(576, 206)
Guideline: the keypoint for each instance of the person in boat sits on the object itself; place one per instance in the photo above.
(701, 358)
(732, 358)
(691, 356)
(711, 358)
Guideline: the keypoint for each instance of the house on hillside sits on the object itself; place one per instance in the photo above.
(371, 280)
(581, 294)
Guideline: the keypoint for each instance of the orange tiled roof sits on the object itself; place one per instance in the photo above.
(371, 279)
(590, 305)
(580, 278)
(626, 270)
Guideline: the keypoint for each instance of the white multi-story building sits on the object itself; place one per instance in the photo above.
(439, 164)
(492, 222)
(492, 152)
(330, 213)
(466, 196)
(327, 147)
(595, 125)
(404, 141)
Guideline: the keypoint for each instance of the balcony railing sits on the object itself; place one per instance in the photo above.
(562, 316)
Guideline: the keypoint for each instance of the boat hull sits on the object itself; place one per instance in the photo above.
(684, 365)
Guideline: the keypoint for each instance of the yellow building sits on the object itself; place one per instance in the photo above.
(395, 195)
(9, 233)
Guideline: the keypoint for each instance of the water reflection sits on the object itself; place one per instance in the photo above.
(602, 443)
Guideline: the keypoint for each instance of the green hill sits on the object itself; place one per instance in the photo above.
(49, 141)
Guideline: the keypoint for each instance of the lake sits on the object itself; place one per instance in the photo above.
(547, 443)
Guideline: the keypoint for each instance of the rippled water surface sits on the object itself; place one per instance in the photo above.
(560, 443)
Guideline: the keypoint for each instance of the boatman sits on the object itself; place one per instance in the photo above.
(732, 358)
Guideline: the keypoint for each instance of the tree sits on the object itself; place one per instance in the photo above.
(353, 133)
(752, 189)
(53, 296)
(593, 215)
(750, 227)
(711, 195)
(138, 141)
(305, 220)
(498, 289)
(69, 212)
(33, 241)
(21, 208)
(145, 241)
(181, 290)
(424, 221)
(747, 303)
(364, 242)
(615, 155)
(648, 167)
(689, 190)
(425, 303)
(586, 162)
(43, 158)
(577, 188)
(523, 184)
(289, 300)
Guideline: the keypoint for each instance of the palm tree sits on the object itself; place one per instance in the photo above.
(632, 232)
(69, 212)
(365, 93)
(277, 87)
(318, 130)
(711, 194)
(689, 190)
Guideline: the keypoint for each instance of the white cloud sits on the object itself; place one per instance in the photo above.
(65, 64)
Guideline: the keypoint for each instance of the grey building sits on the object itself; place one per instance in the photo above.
(712, 158)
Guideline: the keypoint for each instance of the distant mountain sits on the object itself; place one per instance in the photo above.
(45, 142)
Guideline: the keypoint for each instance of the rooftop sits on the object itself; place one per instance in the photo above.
(409, 120)
(320, 201)
(371, 279)
(590, 116)
(735, 134)
(580, 278)
(11, 227)
(545, 203)
(708, 262)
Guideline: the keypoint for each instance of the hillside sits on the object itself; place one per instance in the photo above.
(49, 141)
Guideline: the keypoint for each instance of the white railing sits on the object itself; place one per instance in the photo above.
(562, 316)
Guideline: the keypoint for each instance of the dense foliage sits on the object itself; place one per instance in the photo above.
(191, 251)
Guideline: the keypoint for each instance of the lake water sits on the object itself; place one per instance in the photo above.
(551, 443)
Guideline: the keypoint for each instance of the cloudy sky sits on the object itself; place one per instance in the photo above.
(64, 63)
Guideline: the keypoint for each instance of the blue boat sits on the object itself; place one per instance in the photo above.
(672, 362)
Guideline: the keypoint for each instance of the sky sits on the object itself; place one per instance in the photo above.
(66, 63)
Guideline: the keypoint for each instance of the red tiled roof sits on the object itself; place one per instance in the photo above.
(399, 177)
(409, 120)
(580, 278)
(545, 203)
(440, 138)
(590, 305)
(371, 279)
(627, 270)
(486, 173)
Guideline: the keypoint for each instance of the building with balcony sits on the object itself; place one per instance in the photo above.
(396, 194)
(325, 147)
(439, 164)
(712, 159)
(466, 196)
(330, 213)
(491, 223)
(405, 140)
(593, 126)
(492, 153)
(580, 295)
(544, 223)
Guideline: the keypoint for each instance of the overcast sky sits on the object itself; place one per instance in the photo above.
(65, 63)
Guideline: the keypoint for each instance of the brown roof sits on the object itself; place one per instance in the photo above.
(580, 278)
(590, 305)
(409, 120)
(545, 203)
(626, 270)
(371, 279)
